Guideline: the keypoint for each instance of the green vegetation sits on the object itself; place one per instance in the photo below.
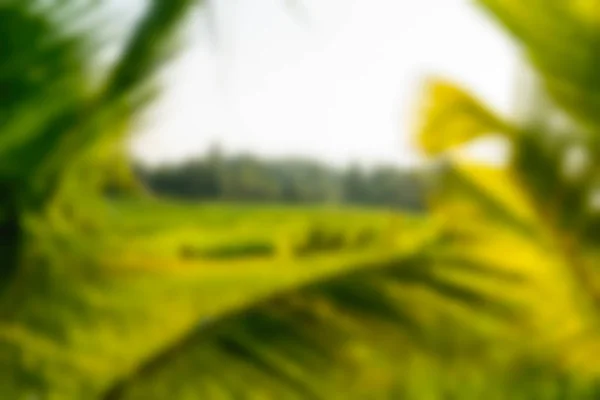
(111, 294)
(113, 299)
(293, 181)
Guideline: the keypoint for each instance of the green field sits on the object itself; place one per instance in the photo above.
(156, 300)
(108, 301)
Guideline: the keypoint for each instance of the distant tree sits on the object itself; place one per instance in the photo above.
(292, 180)
(354, 185)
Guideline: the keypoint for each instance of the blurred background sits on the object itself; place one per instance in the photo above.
(330, 80)
(312, 98)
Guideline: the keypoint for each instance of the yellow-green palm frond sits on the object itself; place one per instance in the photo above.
(561, 39)
(450, 117)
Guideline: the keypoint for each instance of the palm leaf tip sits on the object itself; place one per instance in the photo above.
(148, 47)
(451, 117)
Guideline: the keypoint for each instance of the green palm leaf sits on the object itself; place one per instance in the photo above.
(452, 118)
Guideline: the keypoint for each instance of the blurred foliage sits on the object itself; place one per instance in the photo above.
(461, 117)
(110, 294)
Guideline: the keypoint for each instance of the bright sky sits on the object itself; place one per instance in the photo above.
(337, 81)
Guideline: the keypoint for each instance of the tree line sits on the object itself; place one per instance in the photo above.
(245, 177)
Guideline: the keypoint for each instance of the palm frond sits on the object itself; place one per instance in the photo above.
(450, 117)
(561, 39)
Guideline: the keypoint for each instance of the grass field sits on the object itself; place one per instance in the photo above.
(151, 300)
(155, 300)
(105, 303)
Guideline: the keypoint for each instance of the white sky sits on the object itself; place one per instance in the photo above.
(338, 84)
